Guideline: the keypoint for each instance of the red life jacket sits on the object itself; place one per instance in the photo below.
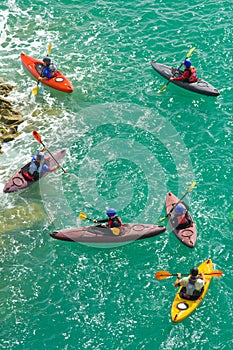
(110, 222)
(182, 220)
(192, 75)
(28, 176)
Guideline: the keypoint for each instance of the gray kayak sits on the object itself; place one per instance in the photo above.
(98, 234)
(19, 181)
(200, 86)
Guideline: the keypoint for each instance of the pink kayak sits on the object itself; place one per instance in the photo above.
(97, 234)
(187, 236)
(19, 181)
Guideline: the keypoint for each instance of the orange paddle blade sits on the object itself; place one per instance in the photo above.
(162, 275)
(37, 136)
(215, 273)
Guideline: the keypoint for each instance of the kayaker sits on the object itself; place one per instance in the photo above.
(189, 74)
(193, 284)
(113, 220)
(49, 69)
(37, 166)
(180, 217)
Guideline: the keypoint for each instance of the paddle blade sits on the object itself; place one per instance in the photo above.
(162, 219)
(190, 52)
(191, 186)
(35, 90)
(116, 231)
(162, 275)
(162, 88)
(49, 49)
(36, 135)
(215, 273)
(82, 216)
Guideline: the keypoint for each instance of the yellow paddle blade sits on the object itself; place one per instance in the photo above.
(191, 51)
(162, 219)
(49, 49)
(191, 186)
(115, 231)
(82, 216)
(35, 90)
(162, 275)
(162, 89)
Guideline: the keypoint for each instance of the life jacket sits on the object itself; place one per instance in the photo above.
(34, 168)
(180, 220)
(28, 176)
(111, 221)
(192, 75)
(183, 220)
(190, 288)
(193, 280)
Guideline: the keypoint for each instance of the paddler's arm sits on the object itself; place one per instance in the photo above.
(101, 221)
(177, 282)
(202, 276)
(54, 168)
(184, 76)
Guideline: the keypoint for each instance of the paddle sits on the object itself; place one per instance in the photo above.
(115, 230)
(35, 90)
(188, 190)
(161, 275)
(38, 138)
(82, 216)
(188, 55)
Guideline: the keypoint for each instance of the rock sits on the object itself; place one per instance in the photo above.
(9, 117)
(5, 89)
(21, 217)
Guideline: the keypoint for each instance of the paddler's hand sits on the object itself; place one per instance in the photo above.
(95, 220)
(171, 78)
(179, 275)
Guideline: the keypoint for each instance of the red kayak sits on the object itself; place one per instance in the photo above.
(58, 82)
(188, 235)
(19, 181)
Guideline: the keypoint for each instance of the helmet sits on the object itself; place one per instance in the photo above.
(47, 60)
(39, 156)
(179, 210)
(111, 212)
(187, 63)
(194, 271)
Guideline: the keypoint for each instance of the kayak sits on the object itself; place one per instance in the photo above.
(200, 86)
(187, 236)
(19, 181)
(34, 67)
(182, 308)
(98, 234)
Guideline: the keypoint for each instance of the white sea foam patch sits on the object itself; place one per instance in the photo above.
(127, 157)
(3, 21)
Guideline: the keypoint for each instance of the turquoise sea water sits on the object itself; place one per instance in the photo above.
(127, 146)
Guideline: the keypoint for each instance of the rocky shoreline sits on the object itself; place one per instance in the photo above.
(10, 118)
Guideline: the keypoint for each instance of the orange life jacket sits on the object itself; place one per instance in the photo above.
(192, 76)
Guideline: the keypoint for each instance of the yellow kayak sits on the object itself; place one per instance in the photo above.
(182, 308)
